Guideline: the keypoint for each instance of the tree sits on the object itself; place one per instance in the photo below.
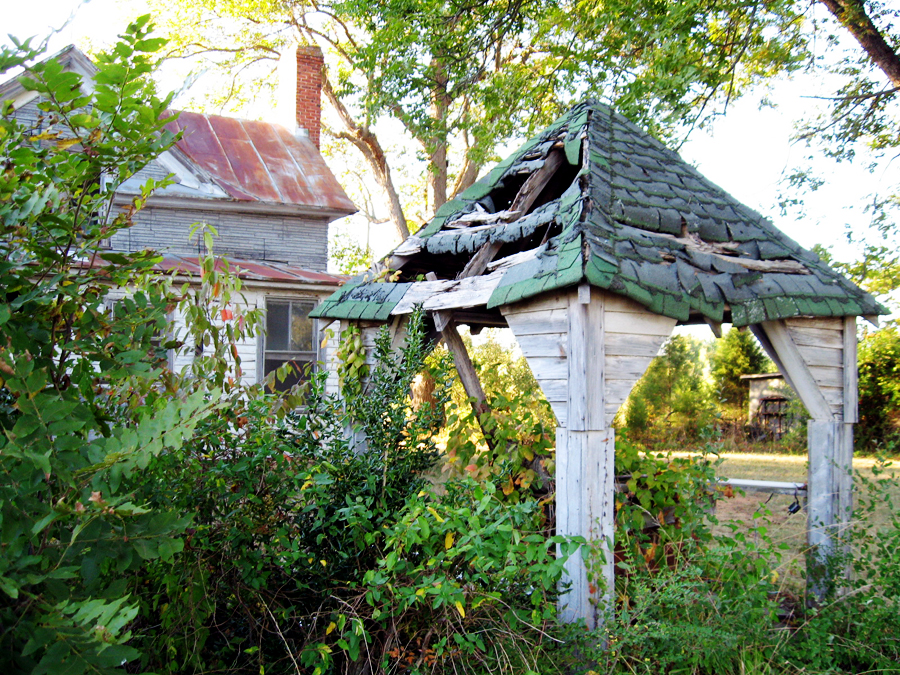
(879, 390)
(463, 77)
(86, 400)
(737, 353)
(673, 395)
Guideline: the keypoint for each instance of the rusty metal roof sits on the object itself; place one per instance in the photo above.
(260, 161)
(250, 270)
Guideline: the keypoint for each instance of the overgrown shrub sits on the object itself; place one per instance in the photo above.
(305, 552)
(86, 403)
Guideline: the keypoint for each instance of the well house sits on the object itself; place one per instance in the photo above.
(591, 243)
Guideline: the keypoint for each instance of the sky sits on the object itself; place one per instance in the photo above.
(747, 152)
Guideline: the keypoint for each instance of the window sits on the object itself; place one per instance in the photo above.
(290, 338)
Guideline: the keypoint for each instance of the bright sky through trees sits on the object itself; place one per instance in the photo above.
(748, 152)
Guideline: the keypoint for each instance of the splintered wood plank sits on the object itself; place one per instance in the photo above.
(536, 183)
(538, 323)
(418, 293)
(639, 323)
(827, 376)
(809, 336)
(626, 344)
(469, 292)
(550, 344)
(479, 262)
(821, 356)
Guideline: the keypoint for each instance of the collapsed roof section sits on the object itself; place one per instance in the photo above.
(594, 198)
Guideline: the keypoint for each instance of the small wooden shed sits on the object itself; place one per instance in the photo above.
(592, 242)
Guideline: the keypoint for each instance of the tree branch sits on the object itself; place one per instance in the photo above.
(851, 14)
(363, 139)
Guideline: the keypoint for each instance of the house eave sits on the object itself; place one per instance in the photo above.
(123, 199)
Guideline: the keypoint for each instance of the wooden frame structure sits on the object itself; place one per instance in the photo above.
(591, 243)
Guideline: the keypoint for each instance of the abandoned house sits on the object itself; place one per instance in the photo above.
(592, 242)
(266, 190)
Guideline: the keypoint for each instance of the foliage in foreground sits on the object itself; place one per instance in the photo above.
(81, 406)
(305, 552)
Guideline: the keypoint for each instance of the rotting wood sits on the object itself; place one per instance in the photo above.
(715, 326)
(851, 372)
(729, 252)
(531, 190)
(775, 266)
(472, 292)
(585, 463)
(443, 322)
(468, 220)
(468, 376)
(479, 262)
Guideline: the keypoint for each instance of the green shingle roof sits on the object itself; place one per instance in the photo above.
(634, 219)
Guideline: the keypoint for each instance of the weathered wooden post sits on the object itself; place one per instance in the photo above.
(818, 359)
(587, 348)
(585, 461)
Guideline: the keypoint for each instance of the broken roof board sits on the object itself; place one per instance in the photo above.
(636, 220)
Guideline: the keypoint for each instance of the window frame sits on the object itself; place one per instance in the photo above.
(312, 357)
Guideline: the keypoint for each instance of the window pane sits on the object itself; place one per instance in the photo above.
(299, 373)
(277, 314)
(301, 327)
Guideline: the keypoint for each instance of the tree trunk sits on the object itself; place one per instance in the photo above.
(437, 150)
(851, 14)
(367, 143)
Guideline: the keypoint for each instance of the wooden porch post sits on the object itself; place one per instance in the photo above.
(585, 461)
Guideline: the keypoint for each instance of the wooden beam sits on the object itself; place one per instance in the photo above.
(851, 372)
(536, 182)
(586, 352)
(715, 326)
(585, 459)
(467, 375)
(794, 368)
(585, 507)
(479, 262)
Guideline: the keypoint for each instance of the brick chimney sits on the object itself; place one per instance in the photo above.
(300, 91)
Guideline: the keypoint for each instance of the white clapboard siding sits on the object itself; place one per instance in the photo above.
(633, 337)
(820, 342)
(329, 357)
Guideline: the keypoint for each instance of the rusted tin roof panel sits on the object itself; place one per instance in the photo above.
(258, 161)
(286, 175)
(202, 145)
(316, 174)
